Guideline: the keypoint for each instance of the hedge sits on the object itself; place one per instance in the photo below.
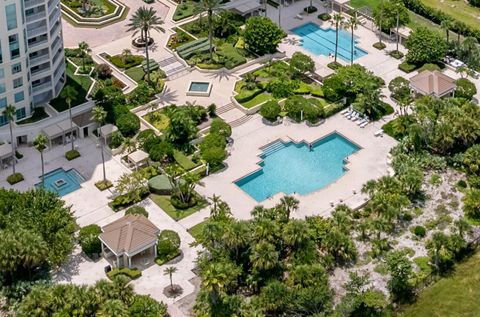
(406, 67)
(332, 109)
(15, 178)
(131, 273)
(130, 62)
(379, 46)
(89, 241)
(72, 154)
(247, 95)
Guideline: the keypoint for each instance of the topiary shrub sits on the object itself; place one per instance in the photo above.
(407, 67)
(465, 89)
(136, 210)
(15, 178)
(220, 127)
(72, 154)
(420, 231)
(270, 110)
(89, 241)
(324, 16)
(310, 9)
(144, 135)
(212, 110)
(294, 107)
(128, 124)
(131, 273)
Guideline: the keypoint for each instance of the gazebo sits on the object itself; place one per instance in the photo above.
(107, 130)
(433, 83)
(129, 239)
(61, 131)
(5, 154)
(137, 158)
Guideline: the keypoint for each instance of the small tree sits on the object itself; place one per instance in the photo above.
(169, 271)
(88, 238)
(301, 63)
(133, 185)
(425, 46)
(262, 36)
(465, 89)
(400, 269)
(40, 144)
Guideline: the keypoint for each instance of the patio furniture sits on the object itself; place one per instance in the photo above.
(378, 133)
(363, 125)
(299, 16)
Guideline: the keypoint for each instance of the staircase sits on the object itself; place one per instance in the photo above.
(225, 108)
(240, 121)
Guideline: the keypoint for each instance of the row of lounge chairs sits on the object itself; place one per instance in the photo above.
(354, 116)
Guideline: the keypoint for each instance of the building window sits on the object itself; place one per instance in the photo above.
(3, 103)
(2, 88)
(18, 82)
(11, 13)
(1, 58)
(14, 47)
(3, 120)
(17, 68)
(21, 113)
(19, 96)
(2, 73)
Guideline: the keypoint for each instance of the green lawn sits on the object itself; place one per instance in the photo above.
(184, 161)
(135, 73)
(164, 202)
(457, 9)
(454, 296)
(196, 230)
(257, 100)
(158, 119)
(417, 21)
(81, 84)
(357, 4)
(184, 10)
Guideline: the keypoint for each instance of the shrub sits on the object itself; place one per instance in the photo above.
(89, 241)
(294, 107)
(117, 140)
(15, 178)
(214, 155)
(420, 231)
(270, 110)
(430, 67)
(262, 35)
(475, 3)
(399, 87)
(72, 154)
(312, 113)
(324, 16)
(131, 273)
(302, 63)
(379, 46)
(130, 61)
(282, 88)
(334, 65)
(212, 110)
(425, 46)
(396, 54)
(407, 67)
(136, 210)
(103, 71)
(220, 127)
(179, 204)
(212, 140)
(161, 151)
(168, 245)
(332, 109)
(310, 9)
(128, 124)
(103, 184)
(145, 135)
(465, 89)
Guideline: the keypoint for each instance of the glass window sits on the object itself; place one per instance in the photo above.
(1, 58)
(3, 102)
(21, 113)
(18, 82)
(2, 73)
(19, 96)
(3, 120)
(2, 88)
(11, 13)
(14, 47)
(16, 68)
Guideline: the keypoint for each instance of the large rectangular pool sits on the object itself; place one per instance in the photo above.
(298, 167)
(322, 41)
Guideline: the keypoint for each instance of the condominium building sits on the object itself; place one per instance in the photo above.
(32, 62)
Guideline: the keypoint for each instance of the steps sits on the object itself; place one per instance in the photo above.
(272, 148)
(225, 108)
(240, 121)
(167, 61)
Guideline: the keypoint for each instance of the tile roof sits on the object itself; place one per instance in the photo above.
(433, 83)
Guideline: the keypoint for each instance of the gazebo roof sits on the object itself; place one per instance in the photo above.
(243, 6)
(129, 234)
(137, 157)
(84, 119)
(433, 83)
(5, 150)
(107, 129)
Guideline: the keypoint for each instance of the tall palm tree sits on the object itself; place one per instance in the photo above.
(380, 22)
(169, 271)
(9, 112)
(446, 25)
(40, 143)
(337, 21)
(216, 200)
(210, 7)
(68, 94)
(352, 23)
(84, 49)
(144, 20)
(99, 115)
(398, 8)
(289, 204)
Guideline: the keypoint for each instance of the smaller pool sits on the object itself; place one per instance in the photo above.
(199, 88)
(62, 182)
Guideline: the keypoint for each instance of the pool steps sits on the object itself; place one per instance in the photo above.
(272, 148)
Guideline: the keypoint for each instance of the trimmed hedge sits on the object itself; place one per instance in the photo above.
(15, 178)
(129, 62)
(128, 124)
(89, 241)
(396, 54)
(270, 110)
(131, 273)
(332, 109)
(406, 67)
(247, 95)
(72, 154)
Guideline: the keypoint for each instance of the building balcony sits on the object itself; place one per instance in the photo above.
(36, 31)
(37, 60)
(42, 87)
(33, 3)
(54, 16)
(36, 16)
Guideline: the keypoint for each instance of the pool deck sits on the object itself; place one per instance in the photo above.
(368, 163)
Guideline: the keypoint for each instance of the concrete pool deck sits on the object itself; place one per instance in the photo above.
(368, 163)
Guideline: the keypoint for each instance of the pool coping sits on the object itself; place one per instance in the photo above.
(199, 93)
(346, 162)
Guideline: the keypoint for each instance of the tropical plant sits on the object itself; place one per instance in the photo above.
(145, 20)
(99, 115)
(69, 94)
(337, 21)
(40, 144)
(210, 7)
(262, 35)
(352, 24)
(84, 50)
(447, 26)
(9, 113)
(425, 46)
(400, 269)
(169, 271)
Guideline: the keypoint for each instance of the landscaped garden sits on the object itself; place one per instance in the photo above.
(185, 9)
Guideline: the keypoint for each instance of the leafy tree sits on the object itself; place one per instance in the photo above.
(280, 88)
(274, 298)
(84, 50)
(182, 129)
(369, 102)
(136, 210)
(471, 203)
(400, 269)
(220, 127)
(214, 156)
(301, 63)
(133, 186)
(400, 89)
(465, 89)
(262, 35)
(389, 12)
(145, 306)
(89, 241)
(40, 144)
(128, 124)
(270, 110)
(425, 46)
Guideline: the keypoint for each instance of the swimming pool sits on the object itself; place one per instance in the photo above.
(295, 168)
(322, 41)
(62, 182)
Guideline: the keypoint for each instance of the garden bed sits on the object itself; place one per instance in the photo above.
(164, 203)
(184, 10)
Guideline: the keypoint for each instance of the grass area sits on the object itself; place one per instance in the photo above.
(96, 26)
(184, 10)
(164, 202)
(457, 9)
(357, 4)
(196, 230)
(135, 73)
(417, 21)
(158, 119)
(257, 100)
(453, 296)
(184, 161)
(81, 84)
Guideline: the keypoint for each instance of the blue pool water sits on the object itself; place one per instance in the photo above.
(199, 86)
(322, 41)
(294, 168)
(62, 182)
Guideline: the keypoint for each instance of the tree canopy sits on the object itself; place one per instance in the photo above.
(262, 35)
(425, 46)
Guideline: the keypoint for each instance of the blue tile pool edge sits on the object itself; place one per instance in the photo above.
(297, 143)
(78, 175)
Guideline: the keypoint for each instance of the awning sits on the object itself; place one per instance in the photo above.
(5, 151)
(137, 157)
(107, 130)
(55, 130)
(243, 6)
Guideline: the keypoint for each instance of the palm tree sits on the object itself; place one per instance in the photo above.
(169, 271)
(398, 8)
(446, 25)
(338, 22)
(213, 279)
(215, 203)
(352, 23)
(144, 20)
(264, 256)
(380, 22)
(40, 143)
(99, 115)
(84, 49)
(289, 204)
(68, 94)
(210, 6)
(129, 145)
(126, 54)
(9, 112)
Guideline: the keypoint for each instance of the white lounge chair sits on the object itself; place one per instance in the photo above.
(299, 16)
(344, 111)
(358, 117)
(363, 125)
(351, 115)
(359, 122)
(349, 112)
(378, 133)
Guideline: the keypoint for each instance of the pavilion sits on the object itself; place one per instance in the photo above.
(60, 132)
(6, 154)
(433, 83)
(137, 158)
(130, 239)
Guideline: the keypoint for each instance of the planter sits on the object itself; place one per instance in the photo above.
(271, 123)
(316, 124)
(139, 43)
